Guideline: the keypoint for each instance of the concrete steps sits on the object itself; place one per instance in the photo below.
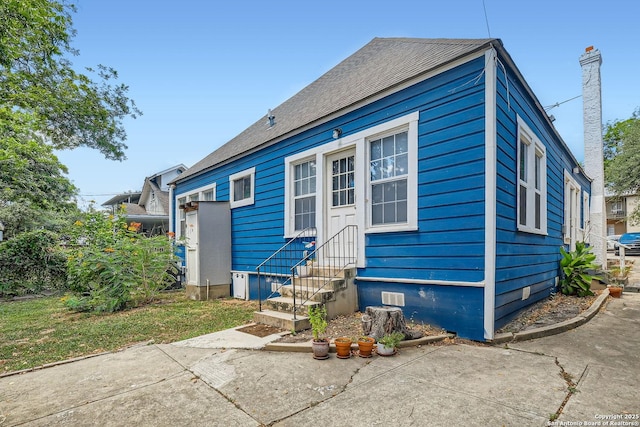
(337, 294)
(282, 320)
(285, 305)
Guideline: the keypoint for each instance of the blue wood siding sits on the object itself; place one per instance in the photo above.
(451, 175)
(449, 244)
(453, 308)
(525, 259)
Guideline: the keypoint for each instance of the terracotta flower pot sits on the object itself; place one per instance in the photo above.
(343, 347)
(615, 291)
(365, 346)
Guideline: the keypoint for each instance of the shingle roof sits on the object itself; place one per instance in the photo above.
(378, 66)
(134, 209)
(123, 198)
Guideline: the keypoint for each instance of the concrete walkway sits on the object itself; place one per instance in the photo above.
(591, 374)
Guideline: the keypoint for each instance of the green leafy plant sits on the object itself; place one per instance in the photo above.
(575, 266)
(318, 320)
(32, 262)
(112, 266)
(391, 340)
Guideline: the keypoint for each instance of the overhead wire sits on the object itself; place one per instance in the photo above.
(557, 104)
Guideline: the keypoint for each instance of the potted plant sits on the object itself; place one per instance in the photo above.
(365, 346)
(615, 290)
(318, 320)
(388, 343)
(343, 347)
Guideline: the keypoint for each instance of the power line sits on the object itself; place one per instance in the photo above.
(107, 194)
(557, 104)
(486, 19)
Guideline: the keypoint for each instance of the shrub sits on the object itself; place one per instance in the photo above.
(318, 320)
(575, 266)
(114, 266)
(30, 263)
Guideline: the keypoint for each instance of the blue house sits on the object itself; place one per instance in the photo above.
(436, 156)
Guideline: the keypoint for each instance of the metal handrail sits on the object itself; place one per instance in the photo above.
(334, 256)
(279, 263)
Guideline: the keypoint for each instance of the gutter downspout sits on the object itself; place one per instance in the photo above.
(171, 208)
(490, 161)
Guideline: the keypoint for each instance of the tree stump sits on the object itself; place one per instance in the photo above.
(379, 321)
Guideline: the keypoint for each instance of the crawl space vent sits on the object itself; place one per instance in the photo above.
(393, 298)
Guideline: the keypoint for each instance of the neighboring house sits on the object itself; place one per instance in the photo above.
(461, 188)
(150, 207)
(619, 208)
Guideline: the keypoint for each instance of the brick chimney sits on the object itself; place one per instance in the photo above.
(590, 62)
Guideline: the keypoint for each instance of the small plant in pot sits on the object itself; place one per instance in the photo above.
(388, 343)
(343, 347)
(365, 346)
(318, 320)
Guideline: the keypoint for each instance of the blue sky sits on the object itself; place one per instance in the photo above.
(202, 71)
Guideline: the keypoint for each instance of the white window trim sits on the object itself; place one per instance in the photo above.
(187, 195)
(536, 147)
(289, 202)
(412, 181)
(570, 184)
(586, 210)
(359, 142)
(251, 172)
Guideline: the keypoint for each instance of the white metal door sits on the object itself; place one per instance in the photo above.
(341, 196)
(192, 247)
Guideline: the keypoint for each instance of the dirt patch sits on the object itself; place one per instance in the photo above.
(554, 309)
(351, 326)
(260, 330)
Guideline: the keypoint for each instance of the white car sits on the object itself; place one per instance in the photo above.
(612, 242)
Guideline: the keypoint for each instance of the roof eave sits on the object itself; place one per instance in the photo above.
(442, 67)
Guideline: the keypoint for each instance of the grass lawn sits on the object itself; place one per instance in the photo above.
(43, 330)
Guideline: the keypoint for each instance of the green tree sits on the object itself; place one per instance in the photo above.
(622, 157)
(34, 191)
(40, 92)
(32, 262)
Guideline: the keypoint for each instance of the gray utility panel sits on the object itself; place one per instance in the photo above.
(208, 249)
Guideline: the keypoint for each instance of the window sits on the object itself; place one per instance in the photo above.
(586, 210)
(182, 218)
(342, 181)
(206, 193)
(241, 188)
(304, 183)
(571, 210)
(532, 182)
(617, 208)
(209, 195)
(379, 182)
(388, 176)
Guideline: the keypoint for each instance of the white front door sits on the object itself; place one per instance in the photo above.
(192, 247)
(340, 194)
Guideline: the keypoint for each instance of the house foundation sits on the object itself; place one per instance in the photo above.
(205, 293)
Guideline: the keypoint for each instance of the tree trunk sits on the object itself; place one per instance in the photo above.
(379, 321)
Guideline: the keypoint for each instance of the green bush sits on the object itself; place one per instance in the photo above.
(114, 266)
(30, 263)
(575, 265)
